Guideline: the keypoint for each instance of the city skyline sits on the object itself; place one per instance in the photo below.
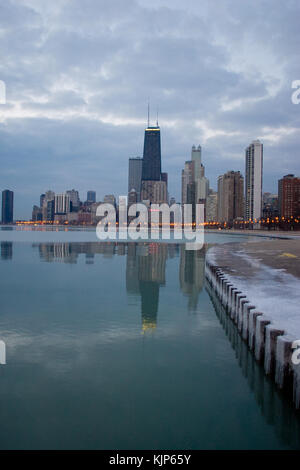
(228, 206)
(150, 184)
(80, 119)
(177, 194)
(195, 188)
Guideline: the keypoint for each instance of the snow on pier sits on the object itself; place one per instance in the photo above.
(259, 286)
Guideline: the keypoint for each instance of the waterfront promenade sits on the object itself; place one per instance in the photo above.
(278, 253)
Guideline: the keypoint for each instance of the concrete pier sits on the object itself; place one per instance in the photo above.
(269, 399)
(265, 332)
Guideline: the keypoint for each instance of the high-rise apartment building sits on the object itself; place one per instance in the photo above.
(230, 197)
(253, 180)
(7, 206)
(42, 199)
(50, 210)
(37, 214)
(212, 206)
(74, 199)
(187, 177)
(48, 202)
(91, 197)
(110, 199)
(289, 196)
(194, 184)
(62, 204)
(135, 175)
(201, 182)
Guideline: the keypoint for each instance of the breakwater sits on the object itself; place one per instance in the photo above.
(270, 345)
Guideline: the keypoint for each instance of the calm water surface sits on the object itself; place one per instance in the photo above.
(124, 346)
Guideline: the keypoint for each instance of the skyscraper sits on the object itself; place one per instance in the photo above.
(47, 204)
(62, 204)
(154, 186)
(211, 206)
(7, 207)
(42, 199)
(196, 158)
(194, 185)
(230, 196)
(91, 197)
(37, 214)
(110, 199)
(187, 177)
(151, 168)
(135, 175)
(74, 199)
(132, 197)
(253, 180)
(289, 196)
(201, 183)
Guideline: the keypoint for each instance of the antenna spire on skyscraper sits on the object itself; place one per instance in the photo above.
(148, 113)
(157, 117)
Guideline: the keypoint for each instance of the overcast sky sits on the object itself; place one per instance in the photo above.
(79, 75)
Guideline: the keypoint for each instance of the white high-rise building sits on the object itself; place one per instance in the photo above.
(201, 183)
(196, 158)
(62, 204)
(253, 180)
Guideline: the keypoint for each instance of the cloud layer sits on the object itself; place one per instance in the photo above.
(79, 75)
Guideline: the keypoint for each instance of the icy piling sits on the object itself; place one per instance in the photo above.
(264, 323)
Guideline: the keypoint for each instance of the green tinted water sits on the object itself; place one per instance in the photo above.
(123, 346)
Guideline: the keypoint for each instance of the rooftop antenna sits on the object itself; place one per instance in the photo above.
(157, 117)
(148, 114)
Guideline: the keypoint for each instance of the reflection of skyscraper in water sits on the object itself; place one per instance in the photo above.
(145, 273)
(89, 258)
(150, 299)
(132, 270)
(152, 267)
(6, 250)
(61, 252)
(69, 252)
(191, 274)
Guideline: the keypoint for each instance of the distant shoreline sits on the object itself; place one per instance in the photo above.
(247, 232)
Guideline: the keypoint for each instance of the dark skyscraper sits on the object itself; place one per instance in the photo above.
(42, 199)
(151, 170)
(154, 188)
(6, 250)
(91, 196)
(135, 175)
(7, 206)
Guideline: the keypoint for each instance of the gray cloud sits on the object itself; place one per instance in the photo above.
(78, 79)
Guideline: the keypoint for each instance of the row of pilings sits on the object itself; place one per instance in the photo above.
(271, 346)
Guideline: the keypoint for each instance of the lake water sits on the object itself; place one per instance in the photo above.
(123, 346)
